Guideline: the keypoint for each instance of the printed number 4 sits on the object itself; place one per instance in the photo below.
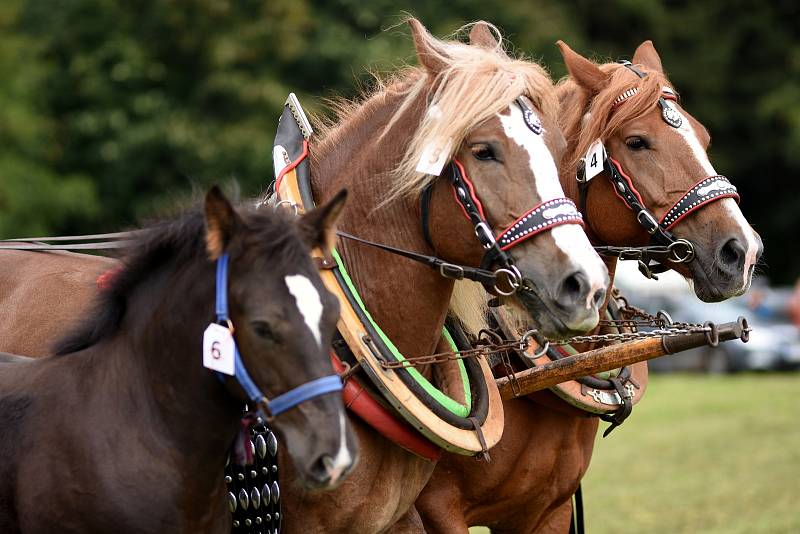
(594, 160)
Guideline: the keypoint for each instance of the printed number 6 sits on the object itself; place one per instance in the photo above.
(215, 352)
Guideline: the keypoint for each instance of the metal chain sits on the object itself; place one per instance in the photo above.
(635, 318)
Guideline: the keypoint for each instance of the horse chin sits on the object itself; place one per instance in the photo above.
(554, 324)
(716, 287)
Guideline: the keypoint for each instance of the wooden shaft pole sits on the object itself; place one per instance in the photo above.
(611, 357)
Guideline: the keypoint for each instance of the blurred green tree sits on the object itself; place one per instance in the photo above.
(109, 108)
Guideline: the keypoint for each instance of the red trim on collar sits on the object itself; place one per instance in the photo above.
(360, 401)
(291, 166)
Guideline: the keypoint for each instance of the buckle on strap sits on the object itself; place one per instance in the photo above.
(649, 223)
(450, 270)
(484, 235)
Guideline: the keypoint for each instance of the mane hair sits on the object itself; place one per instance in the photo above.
(604, 117)
(181, 242)
(474, 84)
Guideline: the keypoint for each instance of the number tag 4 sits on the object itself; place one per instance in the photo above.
(219, 349)
(594, 159)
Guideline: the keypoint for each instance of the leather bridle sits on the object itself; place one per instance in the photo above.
(541, 218)
(664, 246)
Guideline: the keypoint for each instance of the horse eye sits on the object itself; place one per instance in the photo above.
(483, 152)
(636, 143)
(263, 330)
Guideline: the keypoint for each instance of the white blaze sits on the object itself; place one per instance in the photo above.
(308, 302)
(690, 136)
(570, 238)
(343, 460)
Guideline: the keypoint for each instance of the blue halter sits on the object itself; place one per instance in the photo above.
(281, 403)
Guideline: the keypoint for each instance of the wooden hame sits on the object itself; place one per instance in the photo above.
(613, 357)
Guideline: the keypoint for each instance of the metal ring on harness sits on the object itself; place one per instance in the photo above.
(745, 337)
(675, 254)
(664, 317)
(712, 335)
(510, 276)
(532, 334)
(287, 203)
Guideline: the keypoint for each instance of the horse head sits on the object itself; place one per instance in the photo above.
(656, 156)
(284, 319)
(490, 121)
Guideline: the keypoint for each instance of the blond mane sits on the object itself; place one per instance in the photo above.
(470, 85)
(604, 118)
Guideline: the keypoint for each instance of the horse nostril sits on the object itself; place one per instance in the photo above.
(573, 289)
(732, 254)
(599, 297)
(320, 469)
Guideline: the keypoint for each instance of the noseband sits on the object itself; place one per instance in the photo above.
(664, 245)
(268, 408)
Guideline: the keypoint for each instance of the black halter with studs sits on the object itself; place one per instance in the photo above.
(541, 218)
(665, 246)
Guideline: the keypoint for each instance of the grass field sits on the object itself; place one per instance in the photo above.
(701, 455)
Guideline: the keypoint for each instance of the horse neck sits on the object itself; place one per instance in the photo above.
(408, 300)
(155, 358)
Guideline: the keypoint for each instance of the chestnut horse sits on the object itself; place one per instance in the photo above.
(125, 430)
(547, 444)
(462, 101)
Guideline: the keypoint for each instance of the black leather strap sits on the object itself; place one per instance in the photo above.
(446, 269)
(425, 213)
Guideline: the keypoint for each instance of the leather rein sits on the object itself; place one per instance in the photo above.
(664, 246)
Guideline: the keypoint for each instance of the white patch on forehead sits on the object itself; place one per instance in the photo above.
(690, 136)
(544, 169)
(570, 238)
(308, 302)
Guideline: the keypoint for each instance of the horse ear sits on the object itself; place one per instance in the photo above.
(585, 73)
(221, 220)
(429, 53)
(647, 56)
(318, 226)
(481, 35)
